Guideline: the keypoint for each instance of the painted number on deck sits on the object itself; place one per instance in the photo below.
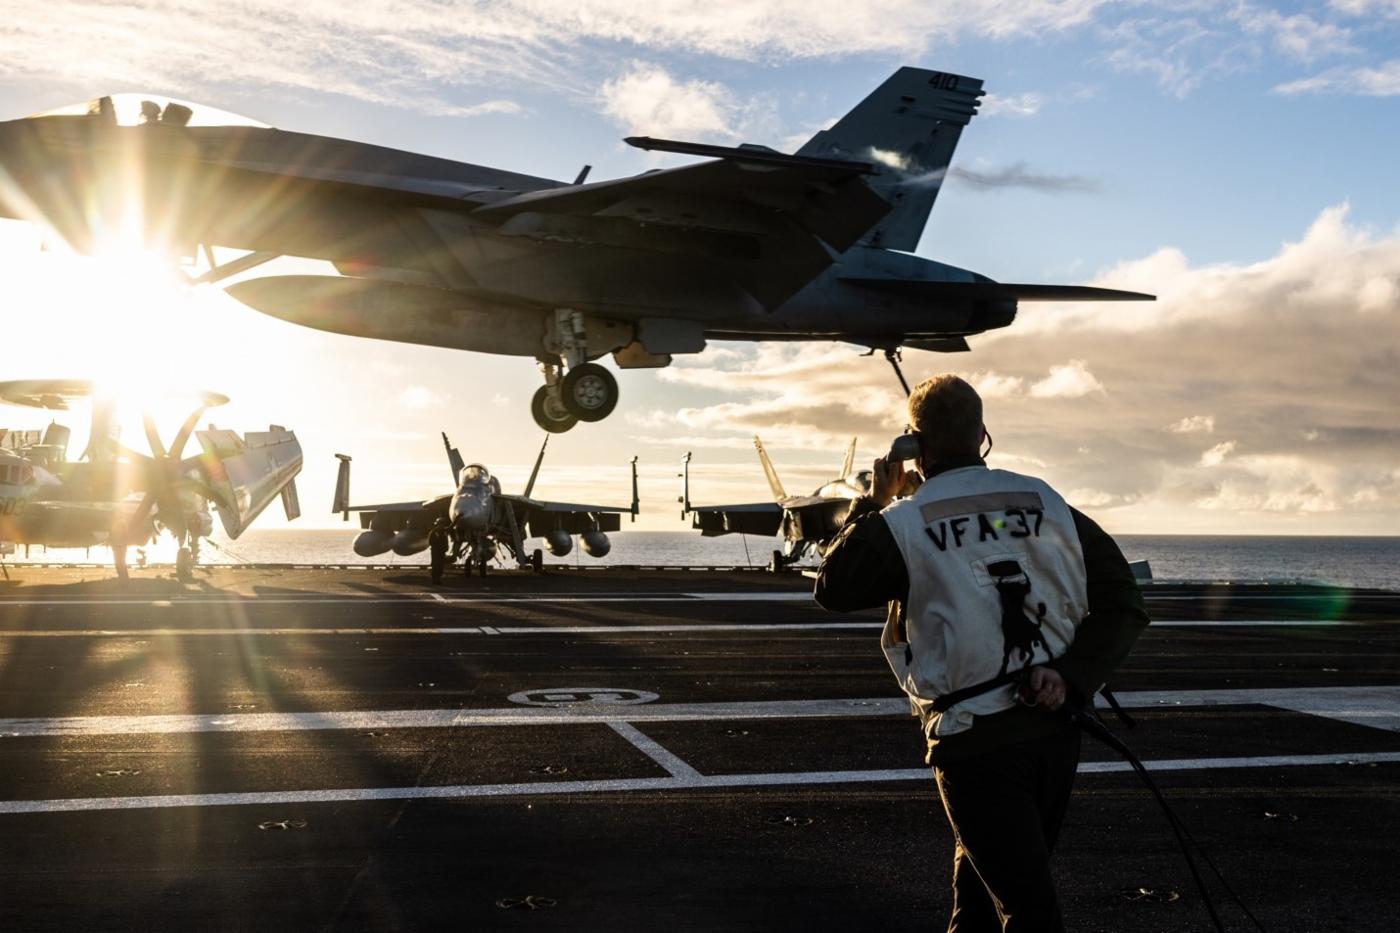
(582, 696)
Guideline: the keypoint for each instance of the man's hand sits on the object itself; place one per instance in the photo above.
(889, 480)
(1044, 687)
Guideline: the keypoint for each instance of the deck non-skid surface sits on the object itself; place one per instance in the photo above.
(348, 750)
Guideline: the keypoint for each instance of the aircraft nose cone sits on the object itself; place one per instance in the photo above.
(471, 514)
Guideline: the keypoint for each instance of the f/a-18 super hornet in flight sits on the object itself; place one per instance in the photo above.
(120, 498)
(805, 522)
(477, 521)
(748, 244)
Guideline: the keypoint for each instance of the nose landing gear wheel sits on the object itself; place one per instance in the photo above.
(550, 414)
(184, 565)
(590, 392)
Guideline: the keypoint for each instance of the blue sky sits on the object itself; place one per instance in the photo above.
(1176, 148)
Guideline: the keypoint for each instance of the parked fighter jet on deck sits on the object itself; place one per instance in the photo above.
(750, 244)
(805, 522)
(117, 497)
(477, 521)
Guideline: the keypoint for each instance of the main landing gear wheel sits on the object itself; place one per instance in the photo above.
(537, 561)
(589, 392)
(184, 565)
(550, 414)
(481, 566)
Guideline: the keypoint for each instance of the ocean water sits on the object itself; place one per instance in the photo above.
(1345, 561)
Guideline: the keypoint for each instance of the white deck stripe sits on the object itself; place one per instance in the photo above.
(484, 599)
(696, 782)
(653, 750)
(621, 629)
(1376, 706)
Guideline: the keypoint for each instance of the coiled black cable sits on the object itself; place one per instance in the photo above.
(1090, 723)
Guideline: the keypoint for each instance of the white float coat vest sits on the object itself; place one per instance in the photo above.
(960, 523)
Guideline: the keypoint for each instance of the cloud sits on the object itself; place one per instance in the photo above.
(1298, 353)
(1204, 424)
(1297, 35)
(418, 397)
(1018, 175)
(648, 100)
(1217, 454)
(1380, 81)
(1011, 105)
(1073, 380)
(412, 54)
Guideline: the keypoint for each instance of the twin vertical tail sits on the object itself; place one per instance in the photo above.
(909, 126)
(774, 483)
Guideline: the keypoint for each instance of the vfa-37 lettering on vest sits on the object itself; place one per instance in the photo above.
(953, 522)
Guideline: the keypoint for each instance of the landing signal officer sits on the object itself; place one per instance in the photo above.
(1004, 603)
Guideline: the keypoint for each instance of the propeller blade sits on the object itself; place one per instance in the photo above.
(140, 517)
(153, 436)
(186, 429)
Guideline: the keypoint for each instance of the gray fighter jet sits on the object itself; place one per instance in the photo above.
(748, 244)
(472, 524)
(805, 522)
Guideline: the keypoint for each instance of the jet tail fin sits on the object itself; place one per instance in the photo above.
(774, 483)
(454, 460)
(849, 463)
(341, 503)
(909, 126)
(530, 486)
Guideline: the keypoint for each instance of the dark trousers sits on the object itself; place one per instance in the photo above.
(1005, 808)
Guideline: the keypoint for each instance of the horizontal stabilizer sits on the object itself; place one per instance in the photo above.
(996, 291)
(760, 154)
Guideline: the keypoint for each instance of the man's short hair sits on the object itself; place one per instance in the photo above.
(947, 413)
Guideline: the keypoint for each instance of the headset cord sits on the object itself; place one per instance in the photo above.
(1091, 724)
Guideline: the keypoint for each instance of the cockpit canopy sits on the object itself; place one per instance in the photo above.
(141, 109)
(863, 480)
(473, 473)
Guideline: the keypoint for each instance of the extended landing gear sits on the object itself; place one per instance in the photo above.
(184, 565)
(586, 392)
(537, 561)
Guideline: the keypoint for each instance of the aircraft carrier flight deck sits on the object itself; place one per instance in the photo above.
(338, 749)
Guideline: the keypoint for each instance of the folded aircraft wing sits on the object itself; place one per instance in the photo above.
(247, 473)
(750, 518)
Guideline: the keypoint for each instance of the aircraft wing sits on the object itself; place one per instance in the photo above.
(401, 515)
(541, 516)
(754, 218)
(750, 518)
(824, 197)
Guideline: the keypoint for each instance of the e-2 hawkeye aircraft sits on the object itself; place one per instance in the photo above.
(749, 244)
(120, 498)
(805, 522)
(476, 521)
